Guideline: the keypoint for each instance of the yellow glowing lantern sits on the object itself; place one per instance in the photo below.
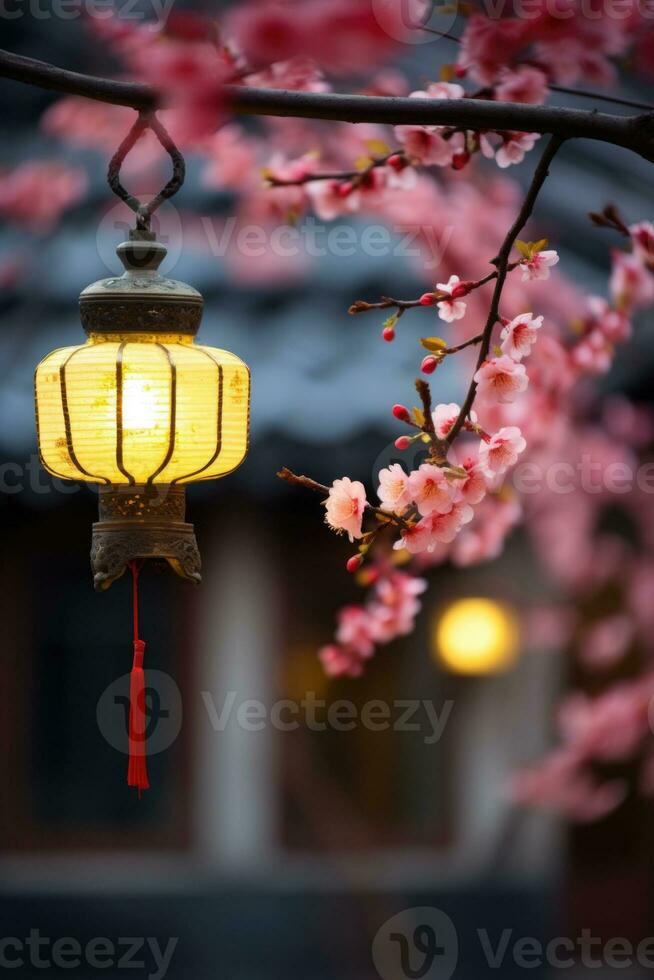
(142, 410)
(477, 636)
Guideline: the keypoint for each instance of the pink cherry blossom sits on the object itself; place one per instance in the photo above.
(440, 90)
(341, 35)
(356, 630)
(393, 491)
(538, 267)
(38, 192)
(326, 199)
(298, 74)
(431, 490)
(191, 75)
(453, 308)
(426, 144)
(473, 488)
(613, 324)
(513, 148)
(489, 44)
(396, 605)
(525, 84)
(444, 417)
(232, 159)
(484, 538)
(609, 727)
(98, 125)
(417, 538)
(593, 354)
(345, 506)
(340, 662)
(501, 378)
(631, 283)
(562, 783)
(642, 237)
(436, 529)
(445, 527)
(569, 59)
(606, 641)
(496, 456)
(520, 334)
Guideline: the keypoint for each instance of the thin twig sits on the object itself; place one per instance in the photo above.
(600, 96)
(388, 302)
(581, 93)
(477, 339)
(342, 175)
(502, 263)
(438, 450)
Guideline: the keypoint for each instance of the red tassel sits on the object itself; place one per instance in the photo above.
(137, 771)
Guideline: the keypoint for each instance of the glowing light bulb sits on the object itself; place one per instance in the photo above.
(139, 404)
(477, 636)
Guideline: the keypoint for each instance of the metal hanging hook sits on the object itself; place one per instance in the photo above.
(144, 212)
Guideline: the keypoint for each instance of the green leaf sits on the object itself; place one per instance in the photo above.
(433, 344)
(377, 148)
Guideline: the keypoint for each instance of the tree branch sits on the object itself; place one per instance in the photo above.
(634, 132)
(502, 262)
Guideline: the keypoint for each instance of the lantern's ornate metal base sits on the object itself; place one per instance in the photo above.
(142, 522)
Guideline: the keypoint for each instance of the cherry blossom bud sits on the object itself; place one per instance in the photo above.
(460, 71)
(388, 334)
(397, 162)
(429, 364)
(461, 289)
(459, 160)
(402, 443)
(369, 576)
(354, 563)
(427, 299)
(344, 190)
(402, 413)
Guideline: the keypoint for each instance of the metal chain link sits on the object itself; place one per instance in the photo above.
(144, 212)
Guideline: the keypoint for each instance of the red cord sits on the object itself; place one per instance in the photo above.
(137, 771)
(135, 597)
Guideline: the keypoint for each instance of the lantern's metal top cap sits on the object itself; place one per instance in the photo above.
(141, 300)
